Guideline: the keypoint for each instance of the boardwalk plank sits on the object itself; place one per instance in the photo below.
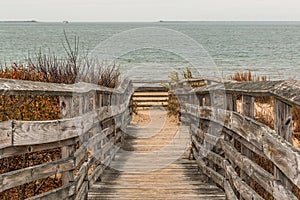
(165, 174)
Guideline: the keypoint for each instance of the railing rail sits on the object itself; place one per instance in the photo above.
(227, 144)
(90, 131)
(93, 120)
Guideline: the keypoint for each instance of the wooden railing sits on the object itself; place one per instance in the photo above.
(89, 133)
(248, 159)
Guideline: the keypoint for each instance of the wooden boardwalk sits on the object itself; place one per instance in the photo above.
(246, 157)
(154, 164)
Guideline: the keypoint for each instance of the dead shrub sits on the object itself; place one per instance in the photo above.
(46, 68)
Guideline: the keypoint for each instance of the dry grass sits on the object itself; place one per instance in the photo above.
(75, 67)
(45, 68)
(263, 106)
(246, 76)
(28, 160)
(32, 188)
(264, 113)
(296, 119)
(174, 108)
(296, 127)
(261, 191)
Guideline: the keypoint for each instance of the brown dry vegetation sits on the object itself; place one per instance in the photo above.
(28, 108)
(35, 187)
(296, 119)
(264, 113)
(246, 76)
(264, 107)
(174, 108)
(45, 68)
(296, 127)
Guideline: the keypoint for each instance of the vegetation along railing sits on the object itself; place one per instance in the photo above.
(89, 133)
(246, 158)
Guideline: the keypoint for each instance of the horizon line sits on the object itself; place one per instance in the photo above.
(146, 21)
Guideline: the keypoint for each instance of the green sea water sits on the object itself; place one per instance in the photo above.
(266, 48)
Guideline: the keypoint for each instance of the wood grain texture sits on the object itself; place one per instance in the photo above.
(109, 108)
(17, 150)
(245, 190)
(271, 145)
(283, 155)
(287, 91)
(26, 175)
(19, 87)
(81, 176)
(263, 178)
(64, 192)
(80, 114)
(82, 193)
(31, 133)
(178, 179)
(249, 129)
(283, 120)
(6, 134)
(283, 125)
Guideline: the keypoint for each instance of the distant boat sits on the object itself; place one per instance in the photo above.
(65, 22)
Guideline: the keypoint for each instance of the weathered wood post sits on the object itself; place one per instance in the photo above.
(196, 100)
(110, 122)
(83, 109)
(190, 99)
(247, 110)
(94, 101)
(283, 120)
(229, 102)
(102, 103)
(207, 100)
(283, 126)
(248, 106)
(231, 105)
(200, 99)
(83, 104)
(125, 115)
(66, 103)
(98, 99)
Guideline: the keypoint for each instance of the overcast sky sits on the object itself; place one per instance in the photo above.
(150, 10)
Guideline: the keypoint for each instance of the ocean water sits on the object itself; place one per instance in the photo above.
(154, 50)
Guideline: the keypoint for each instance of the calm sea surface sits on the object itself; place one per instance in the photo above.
(266, 48)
